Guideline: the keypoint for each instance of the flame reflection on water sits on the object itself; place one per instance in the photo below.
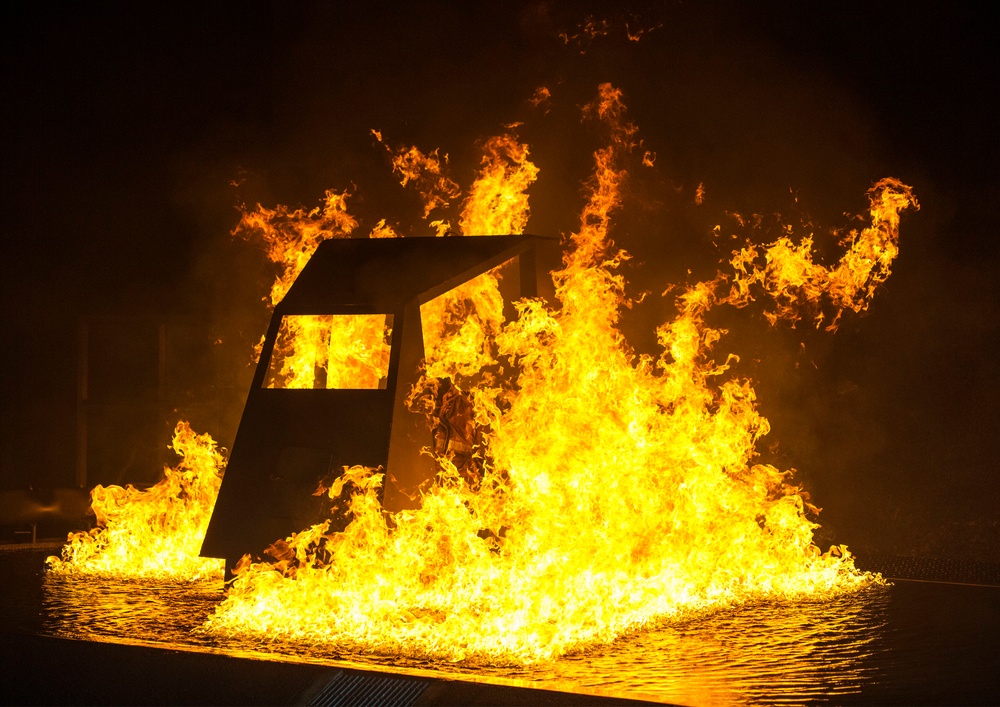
(774, 653)
(771, 653)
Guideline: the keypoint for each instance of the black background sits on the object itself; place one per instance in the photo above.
(126, 127)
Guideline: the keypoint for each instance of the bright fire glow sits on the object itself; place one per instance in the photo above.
(609, 491)
(331, 351)
(156, 533)
(497, 203)
(798, 285)
(584, 492)
(291, 236)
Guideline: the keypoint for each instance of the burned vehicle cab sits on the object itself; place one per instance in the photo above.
(307, 417)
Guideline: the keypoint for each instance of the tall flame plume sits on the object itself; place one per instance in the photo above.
(610, 490)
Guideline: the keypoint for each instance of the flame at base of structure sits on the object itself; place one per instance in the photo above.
(155, 533)
(441, 584)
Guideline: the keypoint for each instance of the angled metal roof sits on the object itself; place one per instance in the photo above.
(379, 275)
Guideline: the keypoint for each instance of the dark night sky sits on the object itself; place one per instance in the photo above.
(125, 124)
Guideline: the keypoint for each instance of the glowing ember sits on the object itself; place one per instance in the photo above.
(156, 533)
(608, 491)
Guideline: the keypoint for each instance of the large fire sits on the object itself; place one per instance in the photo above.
(591, 491)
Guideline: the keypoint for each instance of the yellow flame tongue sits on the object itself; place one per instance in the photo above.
(614, 491)
(156, 533)
(799, 285)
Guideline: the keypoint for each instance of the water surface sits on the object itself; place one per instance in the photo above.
(911, 642)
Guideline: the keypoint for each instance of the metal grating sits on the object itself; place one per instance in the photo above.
(927, 569)
(347, 689)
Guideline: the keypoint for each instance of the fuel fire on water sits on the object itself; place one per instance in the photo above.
(581, 490)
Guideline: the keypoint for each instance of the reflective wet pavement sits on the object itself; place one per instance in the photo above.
(916, 642)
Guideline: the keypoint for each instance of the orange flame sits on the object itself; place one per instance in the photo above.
(616, 490)
(290, 237)
(585, 33)
(156, 533)
(331, 351)
(497, 204)
(383, 230)
(541, 98)
(427, 172)
(799, 285)
(460, 326)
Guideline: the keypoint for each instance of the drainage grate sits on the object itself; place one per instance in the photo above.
(347, 689)
(927, 569)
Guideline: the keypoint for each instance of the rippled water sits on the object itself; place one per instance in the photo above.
(906, 643)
